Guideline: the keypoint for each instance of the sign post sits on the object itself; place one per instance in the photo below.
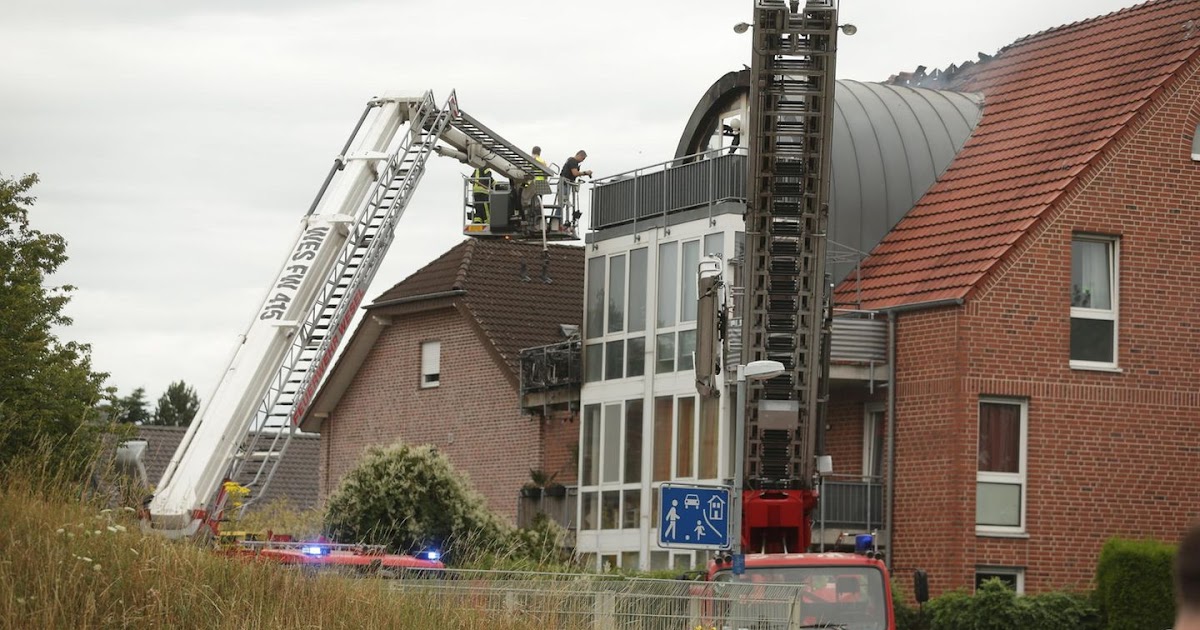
(693, 517)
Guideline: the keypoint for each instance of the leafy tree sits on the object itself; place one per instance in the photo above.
(177, 406)
(48, 391)
(132, 408)
(410, 498)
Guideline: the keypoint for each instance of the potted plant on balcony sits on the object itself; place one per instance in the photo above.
(541, 484)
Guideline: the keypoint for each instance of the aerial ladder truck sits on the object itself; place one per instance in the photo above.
(243, 430)
(786, 320)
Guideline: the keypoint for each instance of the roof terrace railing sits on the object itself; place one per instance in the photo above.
(693, 181)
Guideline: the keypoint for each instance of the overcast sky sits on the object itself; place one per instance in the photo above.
(179, 143)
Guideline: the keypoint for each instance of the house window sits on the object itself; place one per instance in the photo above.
(637, 289)
(633, 441)
(610, 470)
(1093, 302)
(616, 294)
(688, 278)
(668, 283)
(593, 362)
(589, 447)
(614, 360)
(635, 356)
(1014, 577)
(595, 297)
(1000, 476)
(687, 350)
(873, 425)
(664, 353)
(431, 363)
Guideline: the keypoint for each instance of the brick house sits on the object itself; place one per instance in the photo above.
(436, 360)
(1041, 297)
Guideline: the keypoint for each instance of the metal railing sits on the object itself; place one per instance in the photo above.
(858, 337)
(564, 601)
(550, 367)
(694, 181)
(851, 502)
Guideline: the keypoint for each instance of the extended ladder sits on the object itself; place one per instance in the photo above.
(791, 112)
(244, 429)
(317, 339)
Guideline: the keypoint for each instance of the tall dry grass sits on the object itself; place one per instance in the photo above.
(67, 563)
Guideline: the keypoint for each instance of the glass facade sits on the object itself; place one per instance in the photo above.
(644, 423)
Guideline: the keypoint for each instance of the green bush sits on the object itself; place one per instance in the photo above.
(994, 606)
(1133, 585)
(409, 498)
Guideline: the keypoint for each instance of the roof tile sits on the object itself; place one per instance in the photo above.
(514, 311)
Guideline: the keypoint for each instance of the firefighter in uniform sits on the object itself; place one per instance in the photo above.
(481, 184)
(531, 201)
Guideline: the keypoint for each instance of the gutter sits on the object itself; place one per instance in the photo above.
(419, 298)
(890, 486)
(920, 306)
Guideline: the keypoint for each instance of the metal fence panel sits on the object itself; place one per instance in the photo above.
(601, 602)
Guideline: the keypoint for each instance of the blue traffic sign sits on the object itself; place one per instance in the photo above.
(693, 517)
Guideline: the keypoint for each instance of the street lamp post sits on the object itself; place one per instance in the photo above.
(754, 371)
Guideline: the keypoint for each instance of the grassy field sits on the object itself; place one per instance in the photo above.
(67, 564)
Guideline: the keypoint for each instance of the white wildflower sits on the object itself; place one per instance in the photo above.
(111, 529)
(21, 600)
(106, 511)
(70, 535)
(129, 509)
(121, 528)
(60, 531)
(96, 567)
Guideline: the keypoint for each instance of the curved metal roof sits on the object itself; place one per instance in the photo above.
(890, 144)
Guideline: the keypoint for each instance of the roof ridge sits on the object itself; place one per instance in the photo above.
(1078, 23)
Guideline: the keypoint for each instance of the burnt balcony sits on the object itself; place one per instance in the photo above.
(551, 377)
(858, 347)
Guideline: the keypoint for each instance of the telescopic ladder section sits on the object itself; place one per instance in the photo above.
(791, 112)
(316, 343)
(244, 429)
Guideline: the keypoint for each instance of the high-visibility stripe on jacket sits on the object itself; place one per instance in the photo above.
(482, 180)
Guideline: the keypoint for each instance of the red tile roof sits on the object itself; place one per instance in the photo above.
(513, 311)
(1053, 102)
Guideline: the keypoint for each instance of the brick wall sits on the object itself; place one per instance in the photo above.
(844, 421)
(1109, 454)
(473, 416)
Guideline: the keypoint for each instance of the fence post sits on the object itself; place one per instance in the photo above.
(604, 617)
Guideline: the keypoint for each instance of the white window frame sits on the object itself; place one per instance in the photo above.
(1016, 572)
(1019, 478)
(870, 421)
(1109, 314)
(431, 364)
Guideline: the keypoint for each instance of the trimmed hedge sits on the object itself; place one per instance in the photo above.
(1133, 585)
(994, 606)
